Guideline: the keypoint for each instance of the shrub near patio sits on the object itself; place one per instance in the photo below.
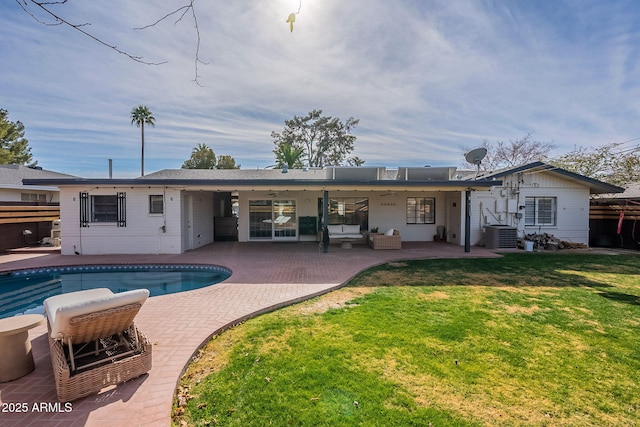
(527, 339)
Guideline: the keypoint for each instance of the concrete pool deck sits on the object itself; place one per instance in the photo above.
(265, 276)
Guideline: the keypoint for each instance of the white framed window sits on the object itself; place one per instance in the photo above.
(421, 210)
(540, 211)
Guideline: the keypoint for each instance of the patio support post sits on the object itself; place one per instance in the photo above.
(467, 221)
(325, 222)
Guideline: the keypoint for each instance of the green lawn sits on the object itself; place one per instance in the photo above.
(527, 339)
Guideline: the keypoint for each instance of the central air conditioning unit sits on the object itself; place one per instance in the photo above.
(501, 237)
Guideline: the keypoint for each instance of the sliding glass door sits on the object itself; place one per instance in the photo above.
(273, 220)
(285, 223)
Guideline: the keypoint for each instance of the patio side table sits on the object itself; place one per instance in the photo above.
(16, 358)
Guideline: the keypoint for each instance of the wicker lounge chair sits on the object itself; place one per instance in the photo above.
(385, 241)
(93, 340)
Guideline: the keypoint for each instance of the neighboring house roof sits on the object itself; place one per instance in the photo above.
(595, 186)
(631, 192)
(11, 177)
(361, 177)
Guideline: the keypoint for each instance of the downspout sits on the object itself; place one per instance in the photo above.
(467, 221)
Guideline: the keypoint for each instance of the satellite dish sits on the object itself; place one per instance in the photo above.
(476, 155)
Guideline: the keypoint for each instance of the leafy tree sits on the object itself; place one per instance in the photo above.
(503, 154)
(609, 163)
(288, 156)
(226, 162)
(139, 116)
(202, 157)
(14, 147)
(325, 141)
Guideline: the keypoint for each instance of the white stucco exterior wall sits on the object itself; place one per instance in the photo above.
(389, 211)
(144, 232)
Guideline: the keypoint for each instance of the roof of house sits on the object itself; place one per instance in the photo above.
(357, 178)
(595, 186)
(235, 174)
(11, 176)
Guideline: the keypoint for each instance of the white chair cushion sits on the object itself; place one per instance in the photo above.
(389, 232)
(60, 309)
(350, 229)
(334, 229)
(52, 304)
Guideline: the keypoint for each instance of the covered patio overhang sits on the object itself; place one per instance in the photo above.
(275, 184)
(283, 184)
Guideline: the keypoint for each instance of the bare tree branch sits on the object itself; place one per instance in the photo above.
(183, 10)
(59, 20)
(180, 11)
(39, 21)
(503, 154)
(197, 53)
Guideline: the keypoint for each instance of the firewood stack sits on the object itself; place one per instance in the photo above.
(550, 242)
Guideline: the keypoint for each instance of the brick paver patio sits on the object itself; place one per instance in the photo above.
(265, 276)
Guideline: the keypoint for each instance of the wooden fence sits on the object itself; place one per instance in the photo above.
(612, 211)
(23, 214)
(615, 224)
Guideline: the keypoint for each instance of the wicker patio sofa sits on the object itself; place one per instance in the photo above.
(94, 342)
(385, 240)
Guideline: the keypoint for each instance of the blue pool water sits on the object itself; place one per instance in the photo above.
(23, 291)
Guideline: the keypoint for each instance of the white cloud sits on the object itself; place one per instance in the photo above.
(423, 77)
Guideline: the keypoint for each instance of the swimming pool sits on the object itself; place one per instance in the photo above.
(23, 291)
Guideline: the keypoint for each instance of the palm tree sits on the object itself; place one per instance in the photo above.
(288, 155)
(139, 116)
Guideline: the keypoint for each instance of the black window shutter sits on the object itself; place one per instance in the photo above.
(122, 209)
(84, 209)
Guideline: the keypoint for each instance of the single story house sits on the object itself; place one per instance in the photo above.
(173, 211)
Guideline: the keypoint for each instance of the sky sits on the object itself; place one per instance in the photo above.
(426, 78)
